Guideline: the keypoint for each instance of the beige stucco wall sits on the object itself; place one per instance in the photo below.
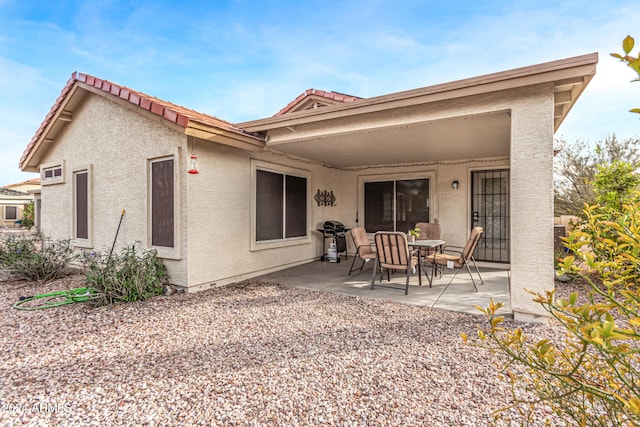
(531, 201)
(219, 210)
(220, 220)
(114, 142)
(3, 215)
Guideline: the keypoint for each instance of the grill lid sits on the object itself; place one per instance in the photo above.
(333, 226)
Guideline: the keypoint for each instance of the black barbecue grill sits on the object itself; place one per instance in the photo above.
(336, 231)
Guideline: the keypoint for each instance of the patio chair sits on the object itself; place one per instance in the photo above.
(364, 251)
(457, 258)
(428, 231)
(393, 254)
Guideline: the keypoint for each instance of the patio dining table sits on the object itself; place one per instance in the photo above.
(426, 244)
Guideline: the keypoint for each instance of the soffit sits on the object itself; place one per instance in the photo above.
(384, 130)
(464, 137)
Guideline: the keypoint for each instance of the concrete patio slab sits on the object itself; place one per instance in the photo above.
(460, 296)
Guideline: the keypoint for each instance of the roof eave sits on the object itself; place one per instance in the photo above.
(79, 84)
(564, 69)
(40, 140)
(225, 137)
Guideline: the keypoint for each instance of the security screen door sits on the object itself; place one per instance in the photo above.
(490, 210)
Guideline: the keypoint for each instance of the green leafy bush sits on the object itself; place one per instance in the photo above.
(632, 62)
(22, 258)
(125, 277)
(28, 216)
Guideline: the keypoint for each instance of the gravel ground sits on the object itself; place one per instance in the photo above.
(247, 354)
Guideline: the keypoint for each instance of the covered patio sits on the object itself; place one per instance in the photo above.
(460, 296)
(471, 153)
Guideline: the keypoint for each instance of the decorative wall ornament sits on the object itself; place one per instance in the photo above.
(325, 198)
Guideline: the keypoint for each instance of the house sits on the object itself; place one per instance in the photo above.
(472, 152)
(13, 199)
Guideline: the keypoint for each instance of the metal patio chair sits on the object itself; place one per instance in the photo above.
(428, 231)
(393, 254)
(364, 250)
(457, 258)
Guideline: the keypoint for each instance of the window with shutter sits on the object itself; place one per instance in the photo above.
(281, 205)
(82, 205)
(11, 212)
(162, 203)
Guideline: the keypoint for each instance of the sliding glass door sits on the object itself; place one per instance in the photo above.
(395, 205)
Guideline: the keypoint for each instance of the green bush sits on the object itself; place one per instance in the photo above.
(125, 277)
(23, 259)
(28, 216)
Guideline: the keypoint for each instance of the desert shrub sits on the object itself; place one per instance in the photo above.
(592, 376)
(128, 276)
(21, 257)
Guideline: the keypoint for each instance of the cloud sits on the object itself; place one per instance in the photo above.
(243, 60)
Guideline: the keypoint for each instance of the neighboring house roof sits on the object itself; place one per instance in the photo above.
(193, 123)
(311, 99)
(33, 181)
(28, 184)
(13, 197)
(4, 191)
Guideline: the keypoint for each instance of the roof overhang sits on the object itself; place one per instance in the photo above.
(408, 127)
(16, 201)
(188, 122)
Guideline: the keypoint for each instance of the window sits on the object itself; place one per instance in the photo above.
(162, 203)
(11, 212)
(81, 184)
(395, 205)
(52, 173)
(81, 206)
(280, 205)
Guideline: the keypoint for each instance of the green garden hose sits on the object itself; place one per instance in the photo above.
(54, 299)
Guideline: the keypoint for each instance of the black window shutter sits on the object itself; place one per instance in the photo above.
(82, 205)
(11, 212)
(269, 205)
(162, 203)
(296, 206)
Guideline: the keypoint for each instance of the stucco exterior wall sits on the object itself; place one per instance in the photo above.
(531, 201)
(220, 220)
(219, 210)
(115, 143)
(10, 222)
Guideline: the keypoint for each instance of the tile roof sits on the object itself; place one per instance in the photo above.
(32, 181)
(332, 96)
(4, 191)
(177, 114)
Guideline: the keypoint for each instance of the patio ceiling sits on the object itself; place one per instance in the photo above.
(465, 119)
(472, 136)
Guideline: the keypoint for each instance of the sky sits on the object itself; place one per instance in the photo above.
(242, 60)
